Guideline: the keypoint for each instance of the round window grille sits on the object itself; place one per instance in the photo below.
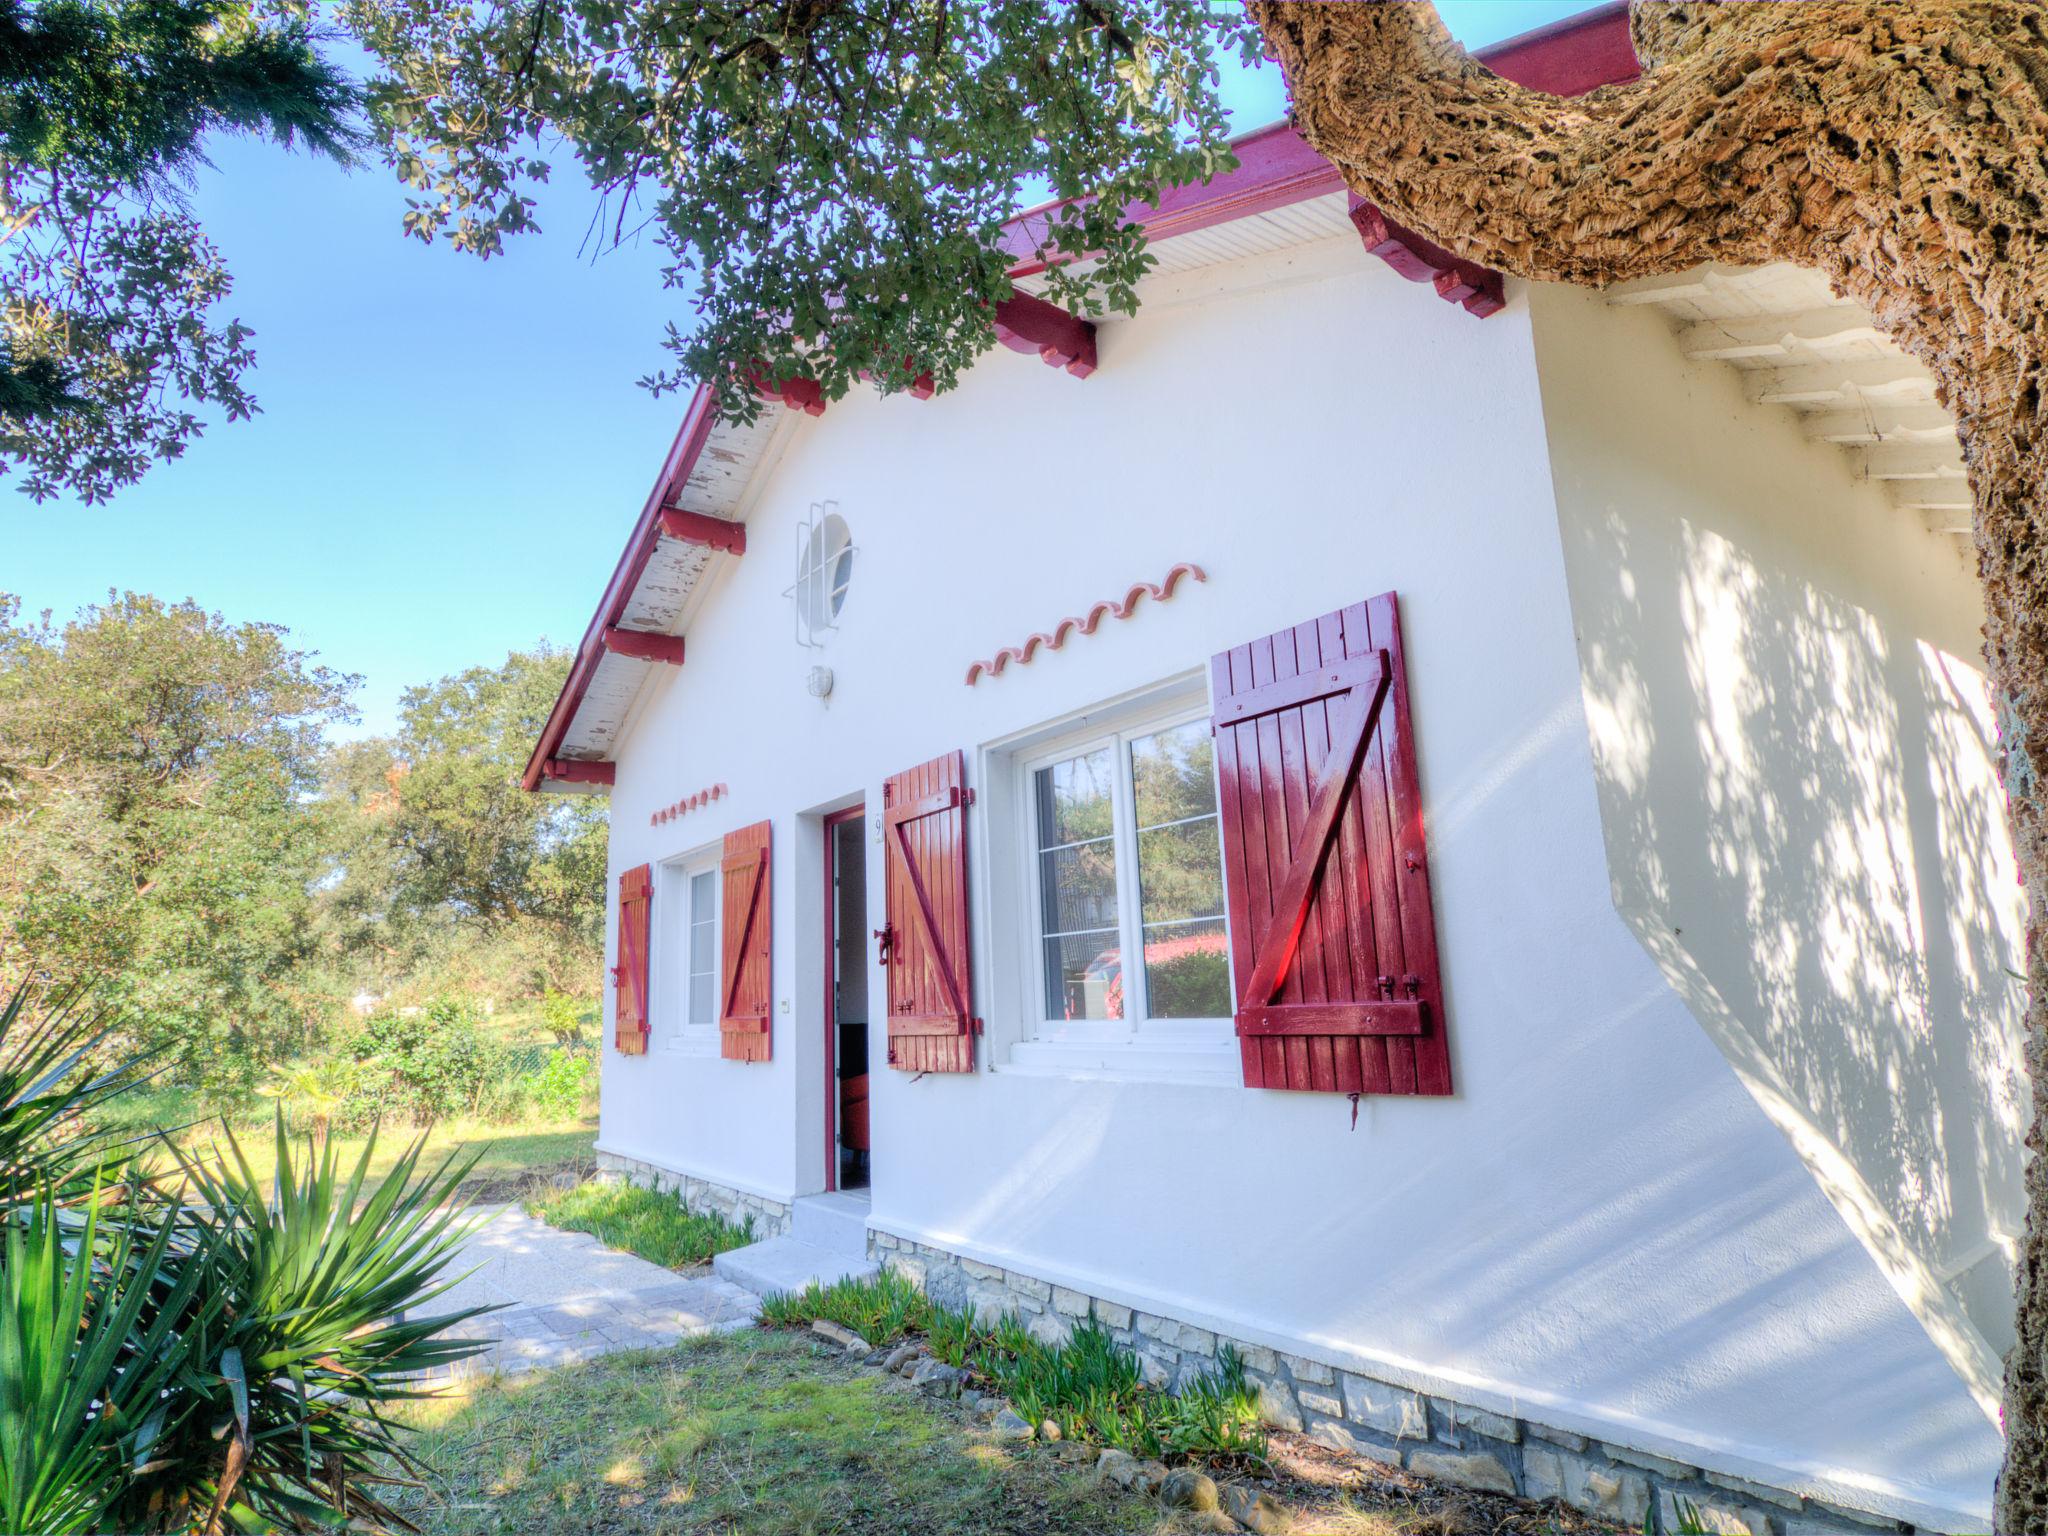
(824, 572)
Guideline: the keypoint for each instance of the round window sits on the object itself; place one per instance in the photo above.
(828, 570)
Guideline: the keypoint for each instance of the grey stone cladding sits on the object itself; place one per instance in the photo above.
(1361, 1416)
(771, 1217)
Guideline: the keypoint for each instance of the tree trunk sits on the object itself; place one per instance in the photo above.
(1900, 148)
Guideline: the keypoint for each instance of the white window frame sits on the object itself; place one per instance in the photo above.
(1196, 1051)
(669, 977)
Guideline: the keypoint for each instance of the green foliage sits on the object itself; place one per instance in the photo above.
(651, 1223)
(562, 1086)
(156, 763)
(87, 1355)
(881, 1310)
(418, 1064)
(444, 868)
(563, 1016)
(829, 181)
(1089, 1385)
(231, 1349)
(108, 333)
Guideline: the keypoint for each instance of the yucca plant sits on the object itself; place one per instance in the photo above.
(51, 1079)
(326, 1269)
(87, 1355)
(202, 1349)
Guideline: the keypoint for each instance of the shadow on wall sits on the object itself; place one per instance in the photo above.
(1805, 827)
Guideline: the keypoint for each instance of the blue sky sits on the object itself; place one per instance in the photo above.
(449, 452)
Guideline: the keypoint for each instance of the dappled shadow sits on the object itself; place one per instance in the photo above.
(1800, 798)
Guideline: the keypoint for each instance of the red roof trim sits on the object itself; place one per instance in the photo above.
(1276, 167)
(675, 471)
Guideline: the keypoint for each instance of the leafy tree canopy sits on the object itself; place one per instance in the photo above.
(829, 177)
(156, 764)
(110, 335)
(444, 863)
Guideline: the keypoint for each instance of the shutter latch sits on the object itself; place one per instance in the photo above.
(884, 937)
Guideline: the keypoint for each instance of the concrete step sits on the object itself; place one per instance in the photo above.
(786, 1264)
(837, 1223)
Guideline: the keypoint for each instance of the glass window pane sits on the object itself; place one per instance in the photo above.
(1074, 799)
(1187, 971)
(1180, 872)
(1078, 887)
(1084, 976)
(703, 999)
(1173, 774)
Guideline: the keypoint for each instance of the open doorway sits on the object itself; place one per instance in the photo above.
(846, 1000)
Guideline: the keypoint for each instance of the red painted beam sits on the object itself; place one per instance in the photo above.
(711, 532)
(1031, 325)
(798, 394)
(568, 770)
(1457, 280)
(644, 645)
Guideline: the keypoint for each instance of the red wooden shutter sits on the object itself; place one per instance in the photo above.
(629, 976)
(1332, 939)
(931, 985)
(746, 981)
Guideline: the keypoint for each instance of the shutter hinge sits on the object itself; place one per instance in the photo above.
(966, 796)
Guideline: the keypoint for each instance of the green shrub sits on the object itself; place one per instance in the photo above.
(651, 1223)
(419, 1066)
(558, 1090)
(562, 1015)
(881, 1310)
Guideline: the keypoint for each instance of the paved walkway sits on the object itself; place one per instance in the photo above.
(566, 1297)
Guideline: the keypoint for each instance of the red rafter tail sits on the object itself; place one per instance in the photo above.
(1457, 281)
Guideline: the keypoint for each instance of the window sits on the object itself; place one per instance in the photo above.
(1127, 861)
(686, 957)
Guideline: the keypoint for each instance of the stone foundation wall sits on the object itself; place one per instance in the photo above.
(771, 1217)
(1356, 1414)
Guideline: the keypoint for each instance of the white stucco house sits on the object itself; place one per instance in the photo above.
(1447, 832)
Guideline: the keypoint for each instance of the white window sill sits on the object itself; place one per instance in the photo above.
(695, 1041)
(1185, 1063)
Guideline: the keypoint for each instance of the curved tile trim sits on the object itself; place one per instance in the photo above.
(1056, 637)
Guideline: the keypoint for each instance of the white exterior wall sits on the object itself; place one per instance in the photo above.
(1601, 1230)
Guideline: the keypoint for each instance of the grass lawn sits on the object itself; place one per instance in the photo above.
(744, 1435)
(766, 1434)
(651, 1223)
(515, 1157)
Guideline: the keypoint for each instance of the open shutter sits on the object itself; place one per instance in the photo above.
(629, 976)
(924, 947)
(746, 981)
(1333, 943)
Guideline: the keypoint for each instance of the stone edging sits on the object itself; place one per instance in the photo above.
(1356, 1414)
(771, 1217)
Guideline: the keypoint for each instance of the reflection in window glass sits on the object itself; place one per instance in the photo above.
(1180, 874)
(1077, 886)
(704, 947)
